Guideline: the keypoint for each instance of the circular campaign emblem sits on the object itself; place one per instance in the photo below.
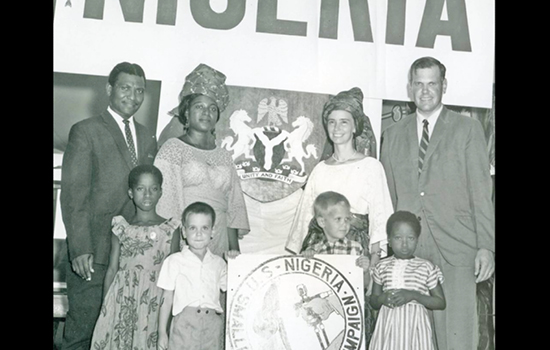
(293, 302)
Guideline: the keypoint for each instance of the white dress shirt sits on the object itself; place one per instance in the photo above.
(431, 122)
(194, 282)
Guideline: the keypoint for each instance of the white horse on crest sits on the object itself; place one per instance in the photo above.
(245, 135)
(294, 143)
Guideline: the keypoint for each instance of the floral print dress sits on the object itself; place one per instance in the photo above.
(129, 314)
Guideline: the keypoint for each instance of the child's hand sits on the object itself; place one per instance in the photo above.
(308, 254)
(386, 298)
(363, 262)
(231, 254)
(402, 296)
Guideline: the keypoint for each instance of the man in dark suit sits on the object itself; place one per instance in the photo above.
(440, 172)
(94, 188)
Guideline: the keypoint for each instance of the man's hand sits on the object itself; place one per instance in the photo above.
(82, 266)
(484, 264)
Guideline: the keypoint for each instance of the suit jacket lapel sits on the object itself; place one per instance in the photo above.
(141, 136)
(412, 143)
(120, 141)
(438, 133)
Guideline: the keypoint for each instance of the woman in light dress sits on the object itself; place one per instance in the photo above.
(360, 178)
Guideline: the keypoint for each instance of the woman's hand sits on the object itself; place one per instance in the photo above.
(231, 254)
(162, 342)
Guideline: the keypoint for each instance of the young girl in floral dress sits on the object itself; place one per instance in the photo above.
(129, 314)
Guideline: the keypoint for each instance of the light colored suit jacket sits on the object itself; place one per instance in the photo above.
(94, 182)
(453, 193)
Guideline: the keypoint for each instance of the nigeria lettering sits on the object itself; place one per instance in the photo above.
(293, 294)
(432, 25)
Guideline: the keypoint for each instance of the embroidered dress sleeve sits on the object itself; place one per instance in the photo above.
(303, 216)
(169, 162)
(380, 205)
(237, 214)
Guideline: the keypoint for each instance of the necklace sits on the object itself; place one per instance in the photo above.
(344, 160)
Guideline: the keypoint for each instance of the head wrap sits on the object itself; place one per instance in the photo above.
(352, 102)
(206, 81)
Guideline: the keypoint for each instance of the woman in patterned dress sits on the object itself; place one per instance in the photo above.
(128, 318)
(405, 287)
(196, 169)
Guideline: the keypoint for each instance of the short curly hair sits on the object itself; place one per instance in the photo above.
(141, 169)
(427, 62)
(405, 217)
(327, 200)
(128, 68)
(198, 208)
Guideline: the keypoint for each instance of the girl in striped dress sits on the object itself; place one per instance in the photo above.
(404, 288)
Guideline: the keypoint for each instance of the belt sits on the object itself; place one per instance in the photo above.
(204, 310)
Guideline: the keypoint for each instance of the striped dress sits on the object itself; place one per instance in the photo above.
(406, 327)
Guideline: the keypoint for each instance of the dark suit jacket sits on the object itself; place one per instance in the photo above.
(453, 194)
(94, 182)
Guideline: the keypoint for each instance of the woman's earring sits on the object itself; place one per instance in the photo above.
(186, 126)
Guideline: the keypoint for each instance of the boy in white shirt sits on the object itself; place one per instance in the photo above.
(191, 281)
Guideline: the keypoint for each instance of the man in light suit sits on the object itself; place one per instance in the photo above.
(94, 188)
(449, 188)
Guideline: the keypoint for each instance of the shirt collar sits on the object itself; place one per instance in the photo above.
(340, 241)
(187, 251)
(432, 118)
(117, 116)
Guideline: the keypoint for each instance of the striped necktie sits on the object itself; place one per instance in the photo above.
(423, 146)
(130, 141)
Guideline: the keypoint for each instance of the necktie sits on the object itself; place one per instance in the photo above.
(423, 146)
(130, 141)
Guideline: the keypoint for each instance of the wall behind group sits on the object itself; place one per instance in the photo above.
(310, 47)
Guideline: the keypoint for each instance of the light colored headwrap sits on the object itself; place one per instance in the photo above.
(207, 81)
(352, 101)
